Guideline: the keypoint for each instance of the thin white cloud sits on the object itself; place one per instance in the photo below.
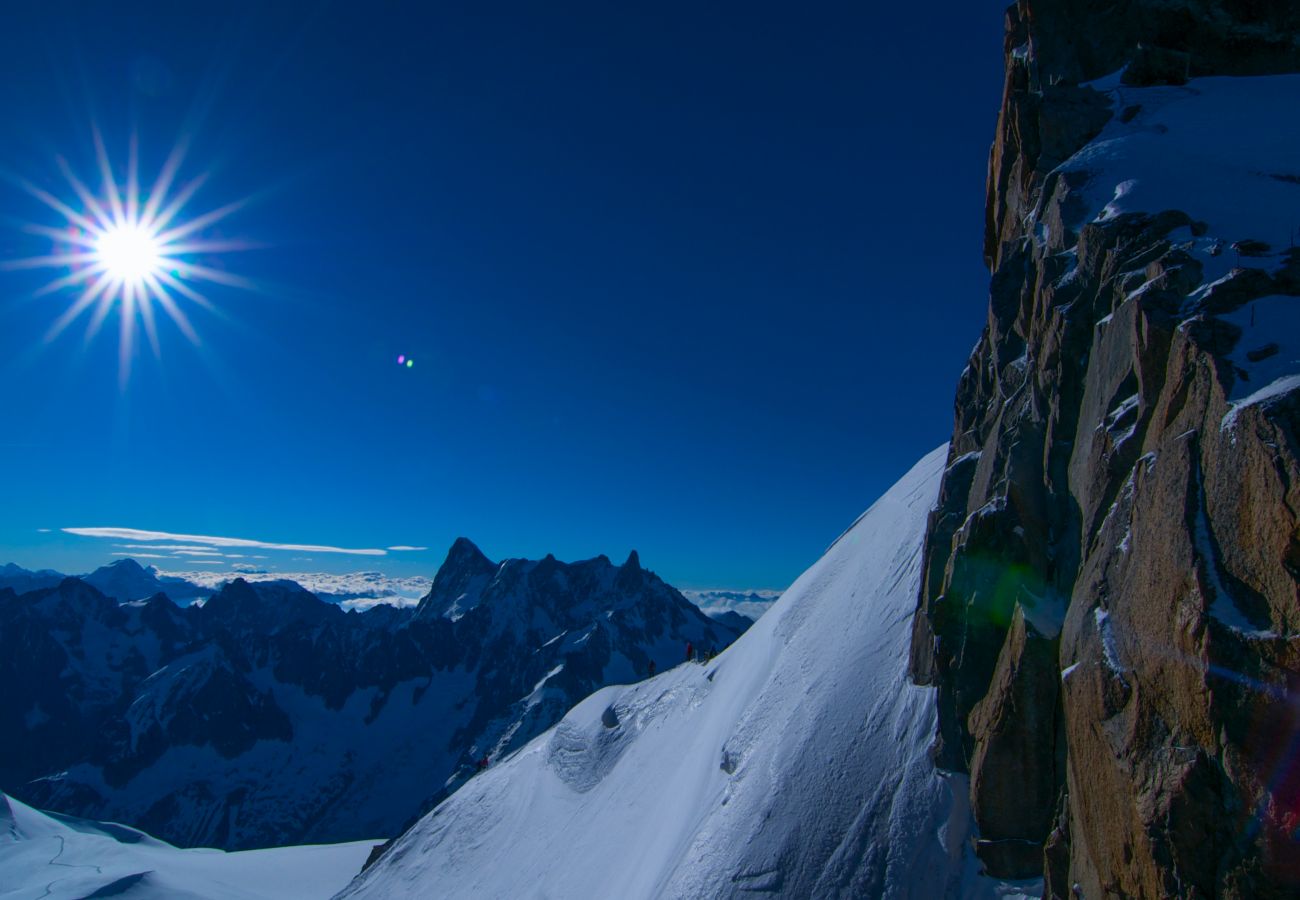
(137, 534)
(43, 530)
(144, 555)
(197, 553)
(171, 548)
(402, 547)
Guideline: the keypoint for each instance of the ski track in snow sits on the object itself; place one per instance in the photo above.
(794, 764)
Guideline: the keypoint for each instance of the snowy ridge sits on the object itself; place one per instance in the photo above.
(61, 858)
(796, 763)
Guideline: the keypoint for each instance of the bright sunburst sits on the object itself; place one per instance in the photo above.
(130, 253)
(129, 250)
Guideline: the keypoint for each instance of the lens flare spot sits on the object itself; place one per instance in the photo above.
(401, 360)
(409, 363)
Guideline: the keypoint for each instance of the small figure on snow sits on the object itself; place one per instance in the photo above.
(483, 763)
(690, 651)
(652, 669)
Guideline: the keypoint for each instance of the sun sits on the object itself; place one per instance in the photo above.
(130, 253)
(130, 250)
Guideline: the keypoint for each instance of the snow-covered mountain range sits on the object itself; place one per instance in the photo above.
(126, 580)
(22, 580)
(795, 764)
(266, 716)
(123, 580)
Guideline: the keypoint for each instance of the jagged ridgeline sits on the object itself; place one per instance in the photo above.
(267, 716)
(1109, 606)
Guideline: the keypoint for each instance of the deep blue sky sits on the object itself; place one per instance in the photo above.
(692, 278)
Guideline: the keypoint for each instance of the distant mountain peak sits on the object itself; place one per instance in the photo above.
(125, 580)
(129, 566)
(465, 552)
(459, 581)
(268, 603)
(633, 561)
(23, 580)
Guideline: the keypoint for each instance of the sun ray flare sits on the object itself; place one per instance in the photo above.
(161, 220)
(88, 297)
(130, 253)
(110, 183)
(163, 183)
(78, 276)
(58, 206)
(71, 236)
(84, 194)
(133, 181)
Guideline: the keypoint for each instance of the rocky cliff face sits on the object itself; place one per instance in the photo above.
(1111, 600)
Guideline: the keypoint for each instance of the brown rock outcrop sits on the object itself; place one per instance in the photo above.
(1111, 601)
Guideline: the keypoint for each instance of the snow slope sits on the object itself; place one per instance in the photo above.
(44, 856)
(795, 763)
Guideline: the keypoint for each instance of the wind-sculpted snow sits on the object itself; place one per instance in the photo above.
(584, 748)
(61, 858)
(795, 763)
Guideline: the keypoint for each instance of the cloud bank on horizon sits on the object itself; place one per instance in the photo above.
(350, 590)
(751, 603)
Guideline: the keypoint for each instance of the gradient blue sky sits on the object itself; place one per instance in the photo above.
(697, 279)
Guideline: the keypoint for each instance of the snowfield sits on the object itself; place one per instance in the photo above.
(794, 764)
(62, 858)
